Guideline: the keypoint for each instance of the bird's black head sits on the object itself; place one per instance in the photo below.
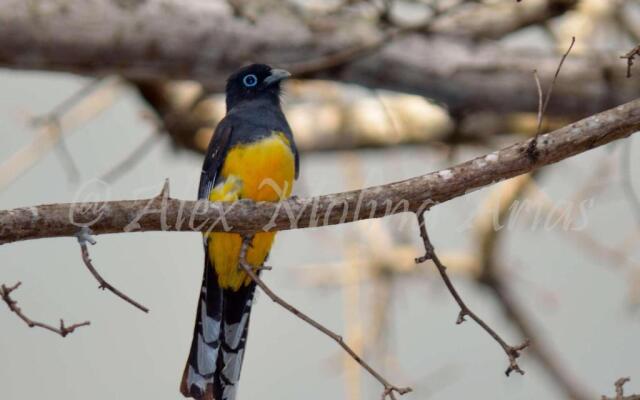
(254, 81)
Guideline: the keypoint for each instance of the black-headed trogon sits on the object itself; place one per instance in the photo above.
(251, 155)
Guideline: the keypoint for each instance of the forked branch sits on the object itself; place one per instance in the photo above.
(389, 389)
(619, 385)
(542, 105)
(62, 330)
(631, 56)
(513, 352)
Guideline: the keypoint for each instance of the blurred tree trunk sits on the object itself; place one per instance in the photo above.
(201, 41)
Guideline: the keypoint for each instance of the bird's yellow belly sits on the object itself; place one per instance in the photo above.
(262, 171)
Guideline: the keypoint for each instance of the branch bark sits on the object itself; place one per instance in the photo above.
(157, 40)
(415, 194)
(495, 20)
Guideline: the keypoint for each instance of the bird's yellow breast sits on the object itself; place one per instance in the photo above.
(263, 170)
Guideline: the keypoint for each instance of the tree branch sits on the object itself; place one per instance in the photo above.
(631, 56)
(99, 38)
(495, 20)
(389, 389)
(512, 352)
(416, 194)
(63, 330)
(84, 236)
(619, 385)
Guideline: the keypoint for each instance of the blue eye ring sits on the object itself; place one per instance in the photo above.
(250, 80)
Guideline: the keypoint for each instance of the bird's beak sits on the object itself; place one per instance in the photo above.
(276, 76)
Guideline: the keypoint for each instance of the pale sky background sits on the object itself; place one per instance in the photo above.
(580, 303)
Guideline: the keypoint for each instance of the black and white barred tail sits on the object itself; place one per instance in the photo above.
(213, 368)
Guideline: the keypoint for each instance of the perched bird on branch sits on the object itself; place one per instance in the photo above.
(252, 155)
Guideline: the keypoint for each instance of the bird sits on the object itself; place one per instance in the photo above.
(251, 155)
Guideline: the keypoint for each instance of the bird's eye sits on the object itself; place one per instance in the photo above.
(250, 80)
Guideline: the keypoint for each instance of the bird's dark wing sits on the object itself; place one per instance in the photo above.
(201, 369)
(214, 158)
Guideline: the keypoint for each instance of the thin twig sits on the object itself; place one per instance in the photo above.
(619, 385)
(131, 159)
(84, 237)
(630, 56)
(553, 83)
(512, 352)
(68, 103)
(389, 389)
(51, 120)
(63, 330)
(84, 104)
(54, 128)
(395, 129)
(540, 105)
(532, 150)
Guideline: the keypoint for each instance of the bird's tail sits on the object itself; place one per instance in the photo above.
(213, 368)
